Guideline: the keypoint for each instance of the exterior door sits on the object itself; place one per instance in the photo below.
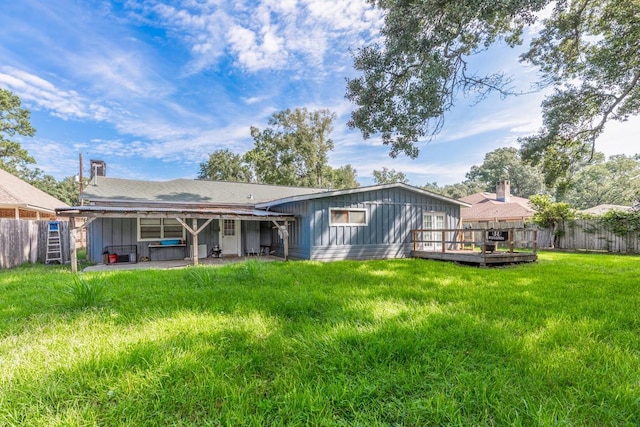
(433, 221)
(230, 237)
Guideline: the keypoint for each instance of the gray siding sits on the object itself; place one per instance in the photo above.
(105, 232)
(299, 231)
(391, 215)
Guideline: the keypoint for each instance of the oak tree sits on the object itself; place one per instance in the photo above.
(224, 165)
(293, 149)
(14, 120)
(587, 51)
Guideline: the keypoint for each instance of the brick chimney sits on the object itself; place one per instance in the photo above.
(503, 191)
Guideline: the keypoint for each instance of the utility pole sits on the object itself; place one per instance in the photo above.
(81, 181)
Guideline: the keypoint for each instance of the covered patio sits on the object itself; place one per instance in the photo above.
(187, 216)
(178, 263)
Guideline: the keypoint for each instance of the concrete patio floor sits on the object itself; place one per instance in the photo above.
(178, 263)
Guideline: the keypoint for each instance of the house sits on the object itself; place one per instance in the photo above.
(175, 219)
(20, 200)
(603, 209)
(500, 206)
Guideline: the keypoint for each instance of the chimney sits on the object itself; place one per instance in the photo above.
(503, 191)
(98, 168)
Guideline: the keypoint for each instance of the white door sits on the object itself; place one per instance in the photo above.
(433, 221)
(230, 237)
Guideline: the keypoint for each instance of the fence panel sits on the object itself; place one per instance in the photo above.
(592, 235)
(26, 241)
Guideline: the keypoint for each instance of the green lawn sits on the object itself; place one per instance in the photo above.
(400, 342)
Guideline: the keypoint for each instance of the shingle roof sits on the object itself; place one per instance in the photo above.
(14, 192)
(332, 193)
(602, 209)
(188, 191)
(485, 207)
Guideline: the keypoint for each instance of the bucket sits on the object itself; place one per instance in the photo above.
(113, 258)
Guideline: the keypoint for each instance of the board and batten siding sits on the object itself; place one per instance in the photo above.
(299, 229)
(105, 232)
(391, 215)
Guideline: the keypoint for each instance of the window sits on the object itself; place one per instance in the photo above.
(229, 227)
(159, 228)
(348, 217)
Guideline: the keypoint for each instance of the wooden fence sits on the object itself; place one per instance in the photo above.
(26, 241)
(578, 235)
(593, 235)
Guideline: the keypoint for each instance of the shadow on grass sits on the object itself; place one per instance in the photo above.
(391, 342)
(222, 369)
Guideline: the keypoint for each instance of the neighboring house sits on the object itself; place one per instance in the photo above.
(500, 206)
(137, 217)
(20, 200)
(603, 209)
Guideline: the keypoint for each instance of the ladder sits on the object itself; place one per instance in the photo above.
(54, 246)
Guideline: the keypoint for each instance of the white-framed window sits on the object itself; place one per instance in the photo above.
(229, 227)
(159, 228)
(340, 216)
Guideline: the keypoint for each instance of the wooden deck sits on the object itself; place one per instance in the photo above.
(476, 246)
(478, 258)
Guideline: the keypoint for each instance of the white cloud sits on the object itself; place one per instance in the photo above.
(267, 35)
(44, 95)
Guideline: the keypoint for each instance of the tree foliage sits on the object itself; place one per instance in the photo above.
(14, 120)
(614, 181)
(506, 164)
(622, 223)
(549, 214)
(293, 149)
(223, 165)
(389, 176)
(587, 51)
(410, 81)
(341, 178)
(455, 191)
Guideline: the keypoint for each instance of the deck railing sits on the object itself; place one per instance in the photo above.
(460, 239)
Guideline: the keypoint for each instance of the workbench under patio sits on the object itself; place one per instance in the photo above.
(476, 246)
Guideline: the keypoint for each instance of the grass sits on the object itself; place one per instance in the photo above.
(399, 342)
(87, 292)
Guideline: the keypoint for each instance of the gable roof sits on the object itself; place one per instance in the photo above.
(15, 192)
(222, 193)
(360, 190)
(485, 207)
(604, 208)
(188, 191)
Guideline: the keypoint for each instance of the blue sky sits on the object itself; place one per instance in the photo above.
(152, 87)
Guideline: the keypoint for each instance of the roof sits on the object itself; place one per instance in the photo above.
(163, 212)
(485, 207)
(602, 209)
(15, 192)
(187, 191)
(333, 193)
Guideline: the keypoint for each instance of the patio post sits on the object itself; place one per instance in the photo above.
(194, 223)
(72, 244)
